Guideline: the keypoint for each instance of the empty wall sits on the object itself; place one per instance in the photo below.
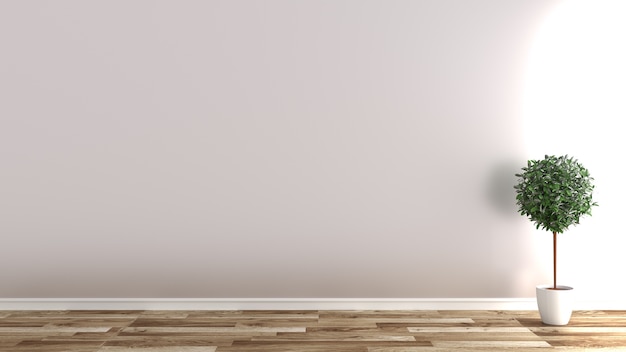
(241, 149)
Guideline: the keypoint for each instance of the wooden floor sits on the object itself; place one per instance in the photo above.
(307, 331)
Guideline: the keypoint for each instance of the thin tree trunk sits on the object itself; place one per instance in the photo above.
(554, 247)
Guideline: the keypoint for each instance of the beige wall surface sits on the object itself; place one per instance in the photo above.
(268, 149)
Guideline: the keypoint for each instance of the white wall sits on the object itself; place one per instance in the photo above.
(275, 149)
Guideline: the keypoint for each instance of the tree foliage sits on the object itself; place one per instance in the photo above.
(554, 192)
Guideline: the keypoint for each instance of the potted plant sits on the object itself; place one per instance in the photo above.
(554, 193)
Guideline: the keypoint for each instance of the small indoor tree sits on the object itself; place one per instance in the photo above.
(554, 193)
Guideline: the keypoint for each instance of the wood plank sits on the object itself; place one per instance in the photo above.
(159, 349)
(211, 329)
(491, 344)
(467, 329)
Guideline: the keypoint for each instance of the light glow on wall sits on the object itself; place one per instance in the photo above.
(576, 79)
(575, 103)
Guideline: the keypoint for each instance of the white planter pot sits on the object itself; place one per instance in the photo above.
(555, 306)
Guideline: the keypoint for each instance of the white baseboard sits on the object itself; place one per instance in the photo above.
(289, 304)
